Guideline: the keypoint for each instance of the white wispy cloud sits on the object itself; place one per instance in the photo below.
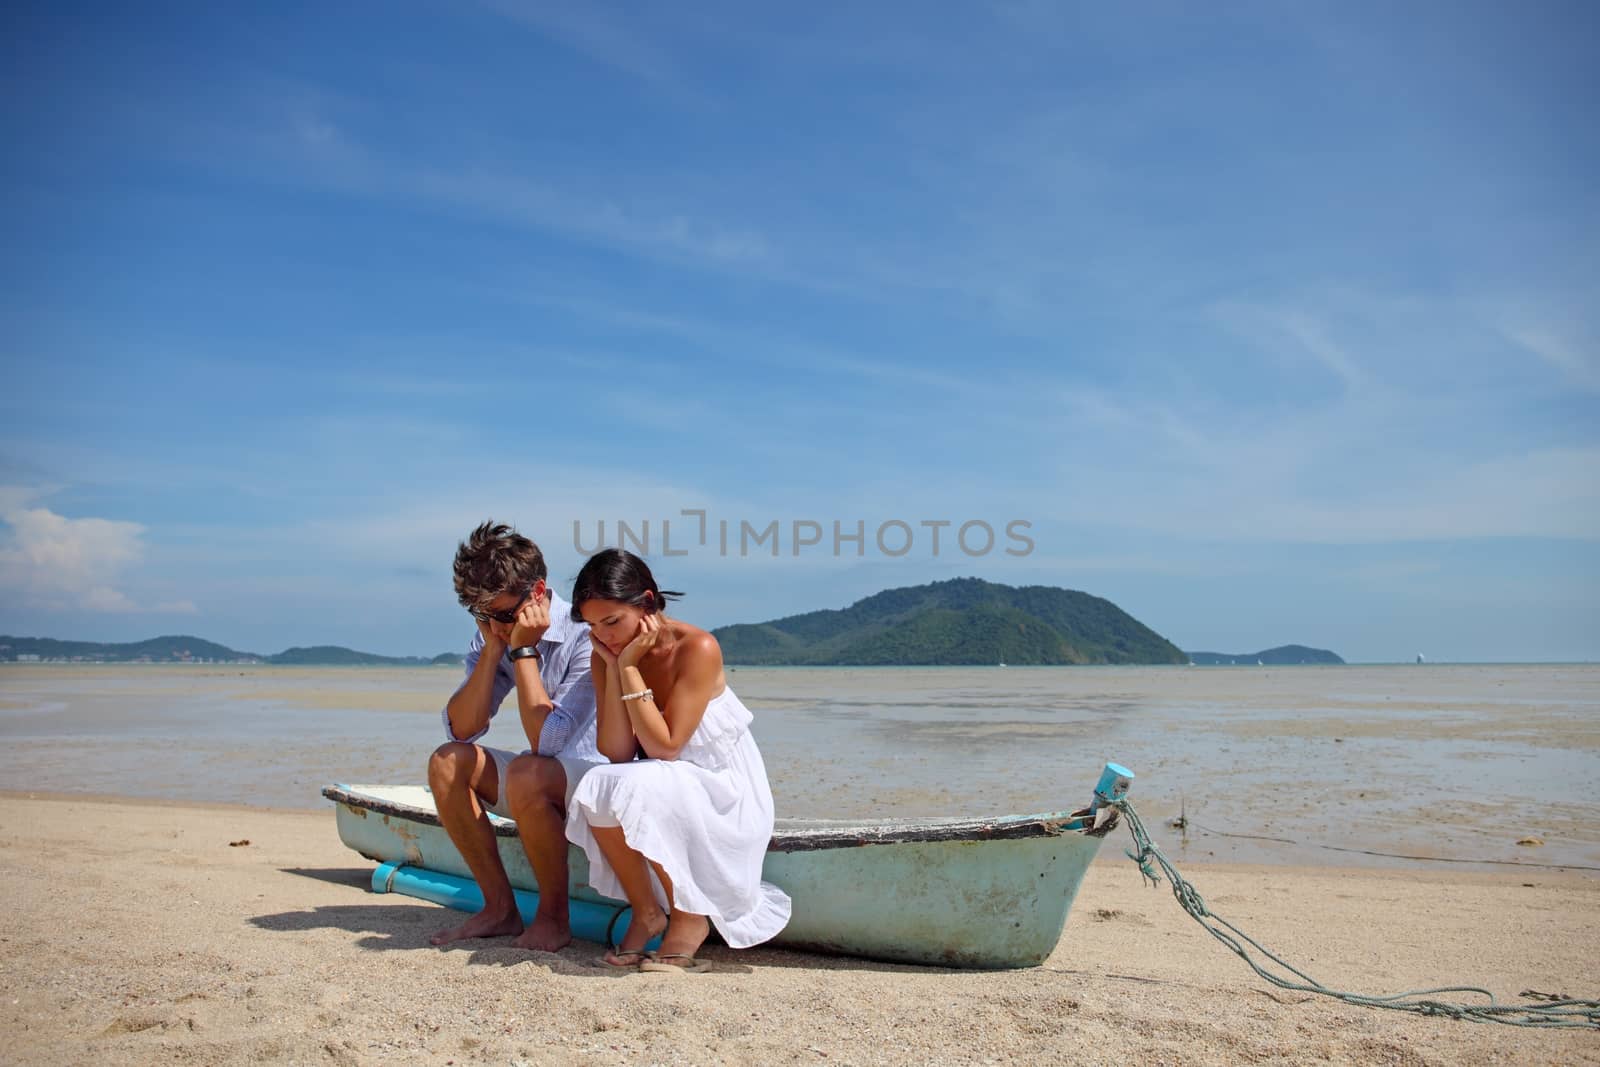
(1541, 493)
(14, 498)
(1578, 364)
(1547, 493)
(541, 205)
(300, 135)
(1293, 335)
(587, 29)
(62, 564)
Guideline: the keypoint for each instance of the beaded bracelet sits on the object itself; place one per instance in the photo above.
(640, 695)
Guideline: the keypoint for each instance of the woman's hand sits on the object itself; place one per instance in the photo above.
(649, 632)
(608, 657)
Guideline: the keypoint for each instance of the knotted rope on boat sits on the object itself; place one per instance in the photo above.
(1550, 1013)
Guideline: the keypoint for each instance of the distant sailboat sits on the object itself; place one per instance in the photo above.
(1419, 657)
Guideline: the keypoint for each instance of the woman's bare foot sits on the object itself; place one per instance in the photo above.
(685, 934)
(483, 924)
(642, 929)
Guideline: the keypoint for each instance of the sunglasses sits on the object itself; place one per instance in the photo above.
(504, 617)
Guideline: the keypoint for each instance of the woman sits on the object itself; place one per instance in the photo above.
(685, 826)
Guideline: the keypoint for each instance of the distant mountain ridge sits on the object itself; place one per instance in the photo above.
(182, 648)
(1282, 656)
(339, 656)
(961, 621)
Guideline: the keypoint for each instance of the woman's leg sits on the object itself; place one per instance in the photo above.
(686, 932)
(648, 919)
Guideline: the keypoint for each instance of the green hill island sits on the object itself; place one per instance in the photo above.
(959, 622)
(183, 648)
(1282, 656)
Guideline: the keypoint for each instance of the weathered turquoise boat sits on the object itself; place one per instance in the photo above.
(982, 893)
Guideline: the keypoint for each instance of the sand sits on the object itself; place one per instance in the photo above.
(135, 933)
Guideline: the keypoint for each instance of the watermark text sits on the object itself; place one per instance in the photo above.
(694, 530)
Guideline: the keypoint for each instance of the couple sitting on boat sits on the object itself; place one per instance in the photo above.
(640, 754)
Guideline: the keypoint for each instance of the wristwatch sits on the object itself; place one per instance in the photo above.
(525, 652)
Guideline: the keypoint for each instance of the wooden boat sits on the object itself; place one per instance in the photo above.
(982, 893)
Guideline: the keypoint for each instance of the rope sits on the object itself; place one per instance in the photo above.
(1553, 1013)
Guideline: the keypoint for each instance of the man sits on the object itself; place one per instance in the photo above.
(527, 641)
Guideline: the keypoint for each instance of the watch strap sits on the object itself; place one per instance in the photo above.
(525, 652)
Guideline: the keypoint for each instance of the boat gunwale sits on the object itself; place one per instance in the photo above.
(805, 835)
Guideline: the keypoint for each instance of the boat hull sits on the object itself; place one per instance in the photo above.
(986, 904)
(954, 893)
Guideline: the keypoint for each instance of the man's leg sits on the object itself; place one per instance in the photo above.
(462, 776)
(537, 795)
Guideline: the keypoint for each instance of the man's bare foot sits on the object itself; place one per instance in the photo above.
(547, 934)
(483, 924)
(685, 934)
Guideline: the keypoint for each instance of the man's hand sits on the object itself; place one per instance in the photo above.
(495, 636)
(533, 619)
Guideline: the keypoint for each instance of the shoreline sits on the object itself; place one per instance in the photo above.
(1305, 767)
(139, 934)
(1110, 856)
(1178, 857)
(62, 796)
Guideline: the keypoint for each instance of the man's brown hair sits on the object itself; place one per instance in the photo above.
(495, 559)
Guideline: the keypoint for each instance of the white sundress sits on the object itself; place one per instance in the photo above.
(706, 817)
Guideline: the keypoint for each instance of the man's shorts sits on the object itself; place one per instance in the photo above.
(575, 766)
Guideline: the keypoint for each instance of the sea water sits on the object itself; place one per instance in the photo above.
(1279, 765)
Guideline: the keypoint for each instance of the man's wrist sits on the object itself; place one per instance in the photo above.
(526, 652)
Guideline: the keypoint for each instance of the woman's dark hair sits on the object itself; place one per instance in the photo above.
(616, 574)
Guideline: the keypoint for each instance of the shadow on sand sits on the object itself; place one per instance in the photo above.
(393, 923)
(360, 877)
(392, 927)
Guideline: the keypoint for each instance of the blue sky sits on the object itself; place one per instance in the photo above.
(1273, 322)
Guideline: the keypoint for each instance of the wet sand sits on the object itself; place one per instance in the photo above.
(1452, 763)
(134, 933)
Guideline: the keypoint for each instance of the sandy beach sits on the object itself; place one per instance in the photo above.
(136, 932)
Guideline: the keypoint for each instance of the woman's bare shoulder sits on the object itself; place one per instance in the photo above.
(697, 648)
(698, 641)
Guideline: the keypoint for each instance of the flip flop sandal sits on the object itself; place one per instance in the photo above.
(642, 957)
(690, 965)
